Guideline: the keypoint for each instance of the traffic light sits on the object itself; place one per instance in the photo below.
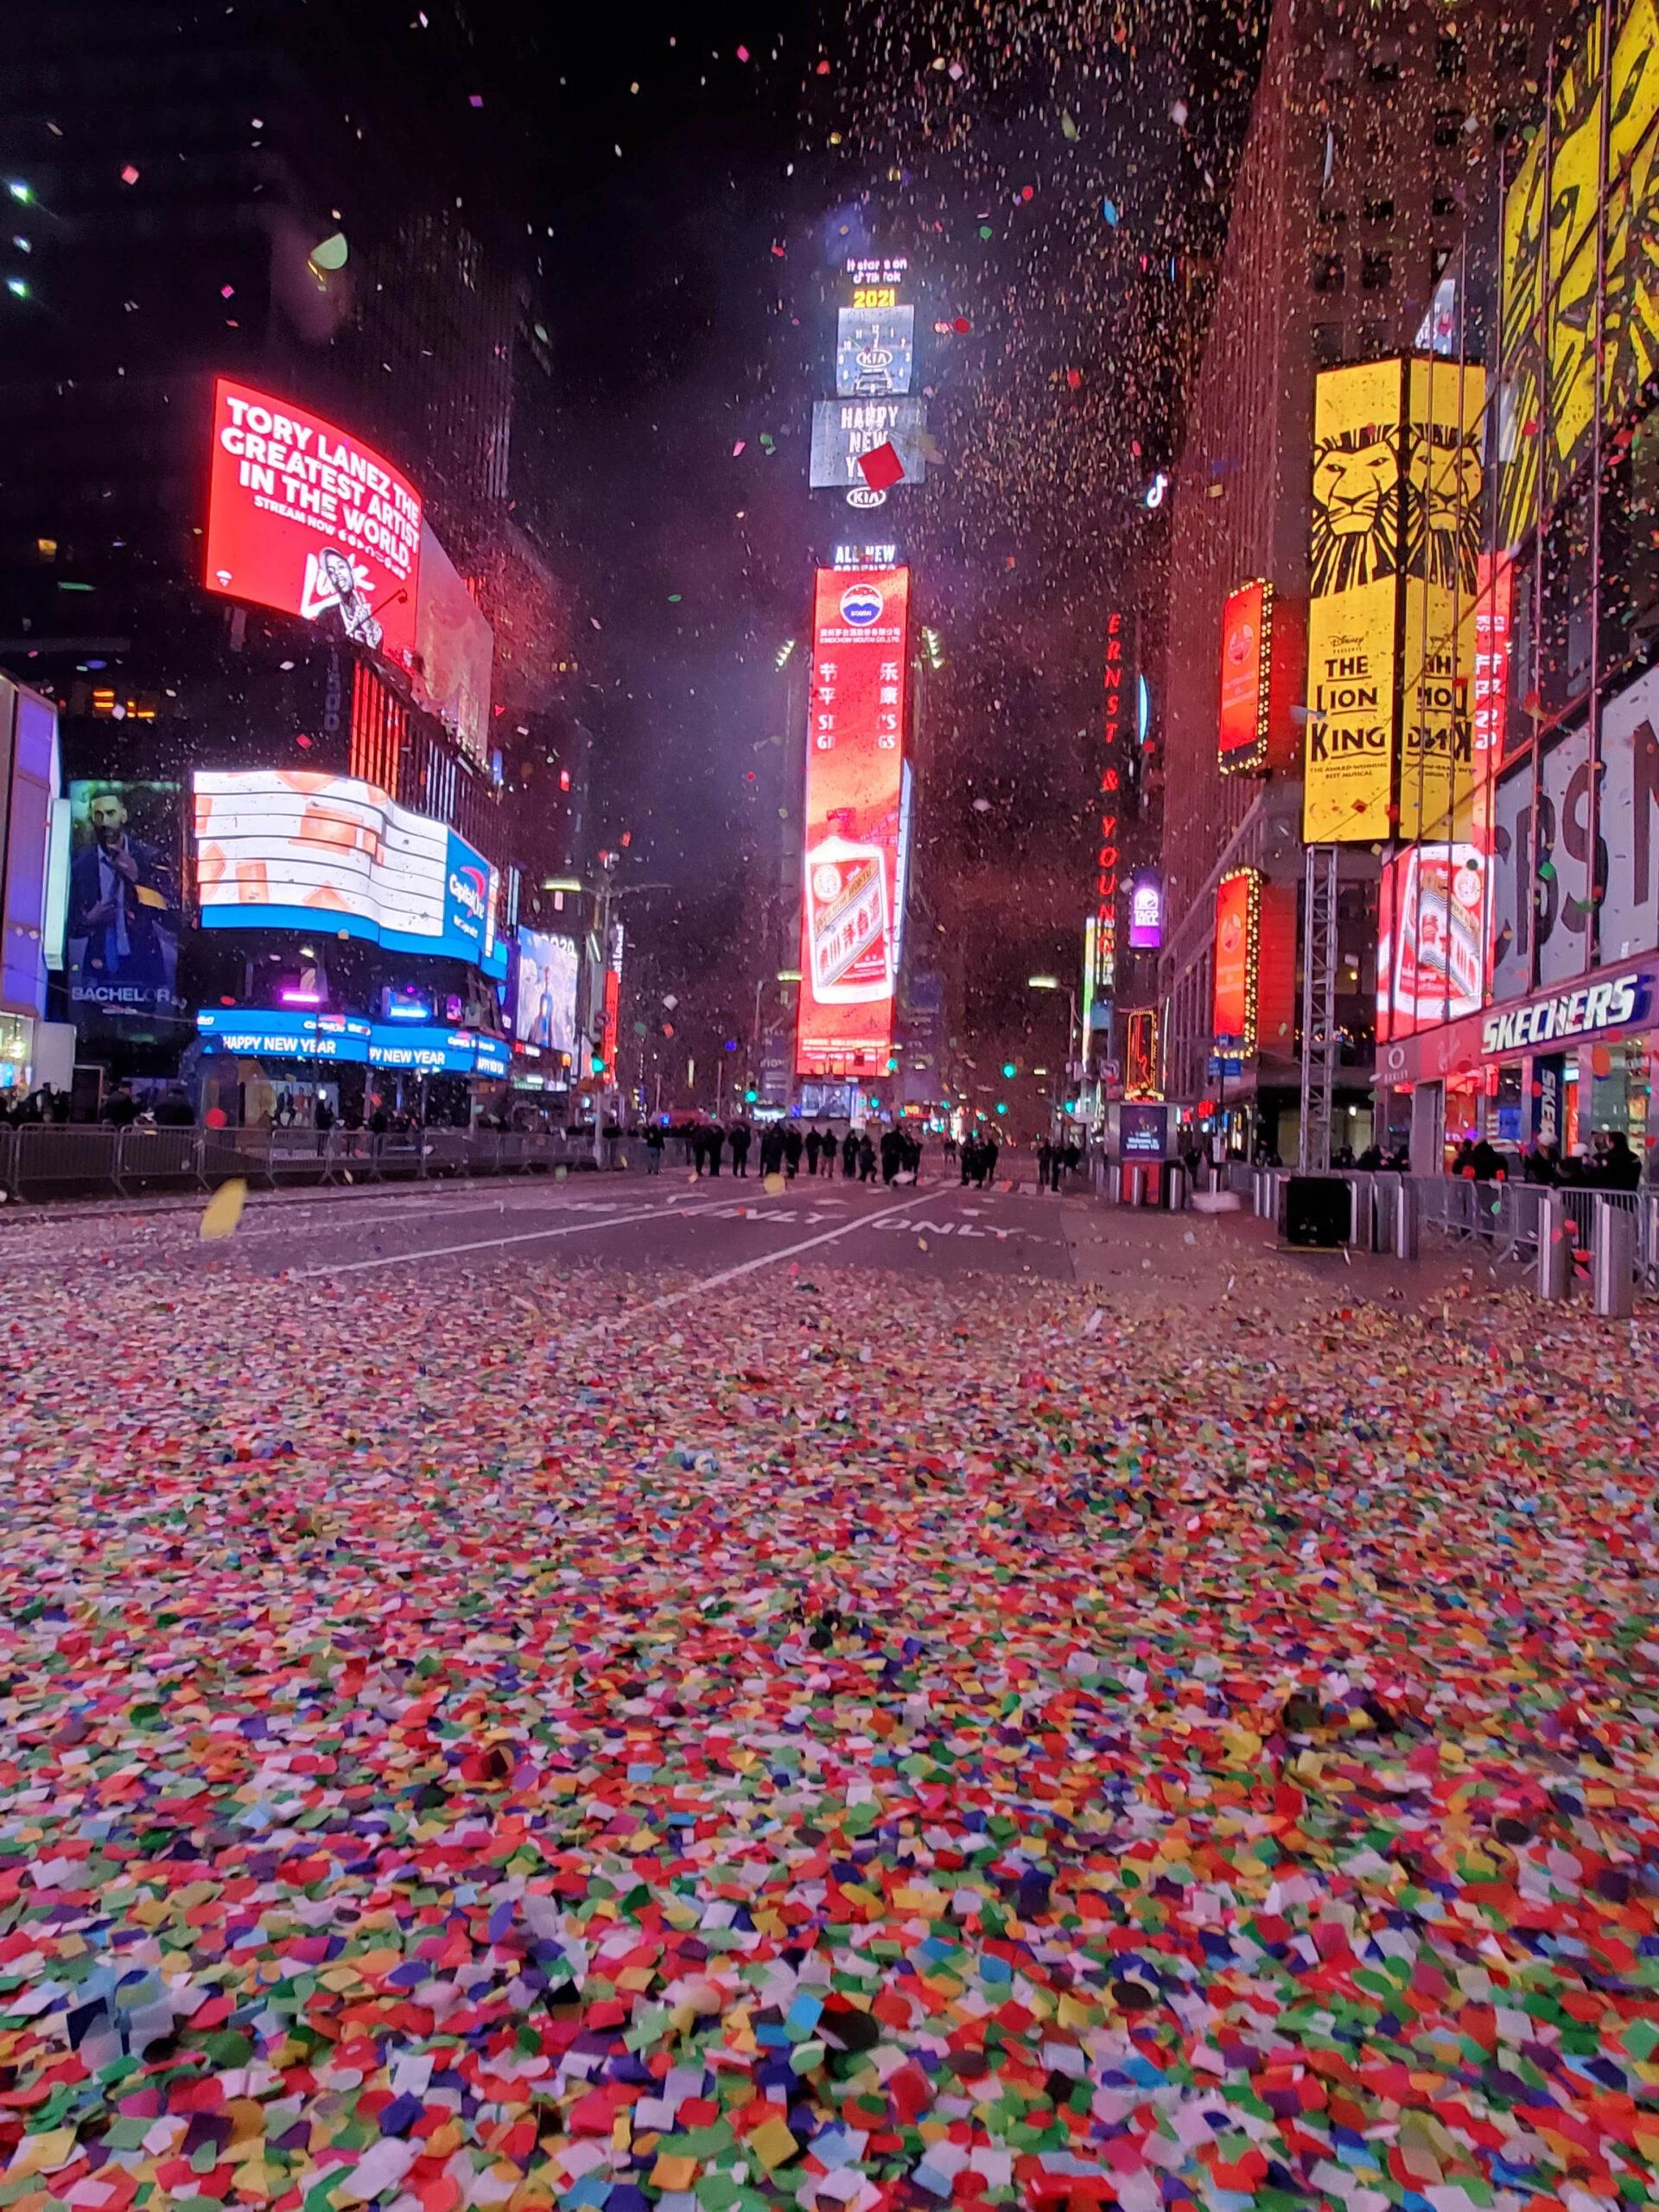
(1009, 1071)
(749, 1097)
(1001, 1105)
(599, 1064)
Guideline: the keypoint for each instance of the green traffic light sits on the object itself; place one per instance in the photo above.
(1001, 1106)
(749, 1097)
(1009, 1070)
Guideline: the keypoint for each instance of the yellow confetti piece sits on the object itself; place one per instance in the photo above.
(771, 2143)
(772, 1185)
(224, 1211)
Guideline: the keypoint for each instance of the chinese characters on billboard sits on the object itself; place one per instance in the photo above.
(854, 774)
(294, 849)
(126, 911)
(306, 519)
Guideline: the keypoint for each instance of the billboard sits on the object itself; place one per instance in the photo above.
(1238, 941)
(293, 849)
(1442, 576)
(1393, 555)
(1578, 221)
(545, 1007)
(305, 519)
(1431, 953)
(875, 350)
(30, 943)
(843, 430)
(1145, 913)
(126, 910)
(256, 1033)
(854, 782)
(1352, 619)
(455, 648)
(1246, 678)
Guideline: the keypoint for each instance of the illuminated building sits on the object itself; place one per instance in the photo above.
(1362, 199)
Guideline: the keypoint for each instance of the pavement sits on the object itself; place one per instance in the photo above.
(639, 1695)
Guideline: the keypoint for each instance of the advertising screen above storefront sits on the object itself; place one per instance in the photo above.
(290, 850)
(257, 1032)
(303, 517)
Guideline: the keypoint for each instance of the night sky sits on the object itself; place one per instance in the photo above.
(1057, 177)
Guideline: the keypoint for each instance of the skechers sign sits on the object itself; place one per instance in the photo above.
(290, 849)
(1584, 1013)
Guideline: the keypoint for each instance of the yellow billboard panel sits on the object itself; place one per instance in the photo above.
(1444, 430)
(1353, 621)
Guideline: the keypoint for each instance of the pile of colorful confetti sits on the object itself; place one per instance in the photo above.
(855, 1743)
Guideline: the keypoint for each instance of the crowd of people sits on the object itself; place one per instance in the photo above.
(787, 1149)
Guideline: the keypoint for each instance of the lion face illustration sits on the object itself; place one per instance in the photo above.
(1356, 527)
(1443, 483)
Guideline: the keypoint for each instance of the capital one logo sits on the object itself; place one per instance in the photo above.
(468, 887)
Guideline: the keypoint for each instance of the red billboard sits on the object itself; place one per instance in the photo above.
(305, 519)
(1263, 661)
(854, 774)
(1238, 951)
(1246, 676)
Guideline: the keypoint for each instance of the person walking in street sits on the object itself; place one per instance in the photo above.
(714, 1141)
(827, 1160)
(772, 1149)
(1044, 1165)
(987, 1152)
(850, 1155)
(741, 1148)
(889, 1156)
(866, 1159)
(969, 1162)
(814, 1147)
(794, 1145)
(654, 1149)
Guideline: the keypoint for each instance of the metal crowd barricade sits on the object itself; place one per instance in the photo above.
(50, 1158)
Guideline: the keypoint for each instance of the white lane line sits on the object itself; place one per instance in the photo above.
(495, 1243)
(771, 1259)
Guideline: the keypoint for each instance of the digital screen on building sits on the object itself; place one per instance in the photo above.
(1246, 678)
(843, 430)
(455, 650)
(126, 911)
(1146, 913)
(1393, 558)
(1431, 952)
(545, 1007)
(291, 849)
(1238, 944)
(851, 810)
(1578, 248)
(875, 350)
(304, 517)
(257, 1032)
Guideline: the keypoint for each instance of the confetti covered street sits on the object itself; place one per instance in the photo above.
(489, 1731)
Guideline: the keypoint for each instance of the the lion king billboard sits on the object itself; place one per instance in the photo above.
(1393, 544)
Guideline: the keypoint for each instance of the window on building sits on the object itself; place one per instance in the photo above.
(1328, 275)
(1373, 341)
(1379, 211)
(1376, 270)
(1384, 65)
(1448, 125)
(1514, 52)
(1327, 344)
(1450, 59)
(1443, 204)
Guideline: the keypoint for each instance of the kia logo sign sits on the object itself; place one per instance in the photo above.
(866, 495)
(466, 888)
(861, 605)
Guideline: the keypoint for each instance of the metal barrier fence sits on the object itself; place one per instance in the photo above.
(41, 1162)
(1502, 1220)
